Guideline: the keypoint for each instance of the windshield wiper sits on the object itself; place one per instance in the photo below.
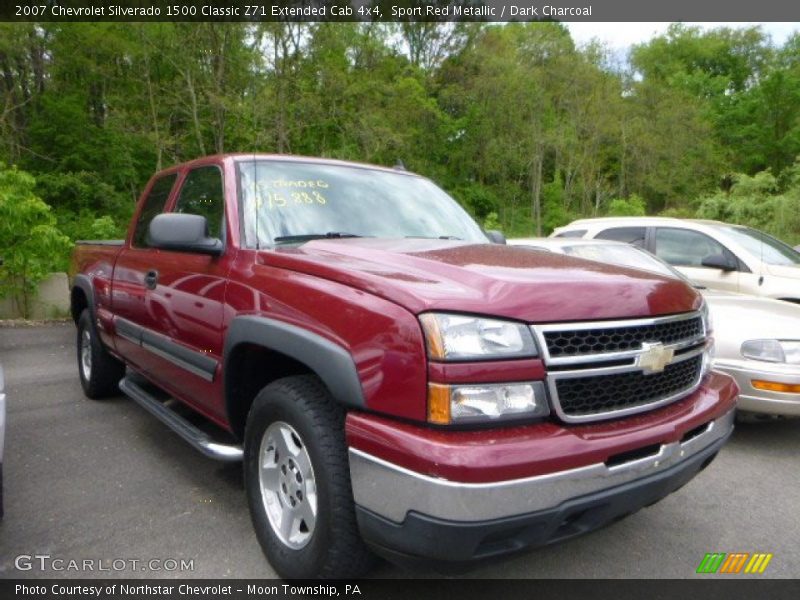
(428, 237)
(306, 237)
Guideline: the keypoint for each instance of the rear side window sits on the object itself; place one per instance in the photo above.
(201, 194)
(153, 205)
(629, 235)
(574, 233)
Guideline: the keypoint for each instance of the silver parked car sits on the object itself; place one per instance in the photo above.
(710, 253)
(757, 339)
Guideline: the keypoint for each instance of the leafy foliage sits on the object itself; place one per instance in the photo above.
(32, 246)
(514, 119)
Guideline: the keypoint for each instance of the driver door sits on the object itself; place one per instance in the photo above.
(686, 249)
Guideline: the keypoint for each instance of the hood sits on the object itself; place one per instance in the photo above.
(742, 317)
(505, 281)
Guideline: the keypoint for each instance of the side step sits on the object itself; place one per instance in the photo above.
(189, 432)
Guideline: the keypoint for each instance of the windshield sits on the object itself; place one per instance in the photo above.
(623, 256)
(766, 247)
(292, 202)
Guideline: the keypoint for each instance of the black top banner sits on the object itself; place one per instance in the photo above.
(397, 10)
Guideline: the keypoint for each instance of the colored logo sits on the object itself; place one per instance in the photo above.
(735, 562)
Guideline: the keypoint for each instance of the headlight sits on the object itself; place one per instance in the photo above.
(459, 337)
(778, 351)
(485, 403)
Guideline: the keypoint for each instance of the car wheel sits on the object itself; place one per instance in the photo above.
(99, 371)
(297, 479)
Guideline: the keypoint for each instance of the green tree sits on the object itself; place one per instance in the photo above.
(32, 244)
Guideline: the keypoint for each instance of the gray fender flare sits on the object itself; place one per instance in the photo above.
(331, 362)
(83, 283)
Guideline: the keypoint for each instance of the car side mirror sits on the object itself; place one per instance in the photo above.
(182, 233)
(496, 237)
(719, 261)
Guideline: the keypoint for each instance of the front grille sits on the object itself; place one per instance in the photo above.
(597, 394)
(601, 340)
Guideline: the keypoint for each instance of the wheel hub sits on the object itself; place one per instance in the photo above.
(288, 487)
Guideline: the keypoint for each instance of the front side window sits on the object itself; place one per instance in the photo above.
(291, 202)
(201, 194)
(687, 248)
(629, 235)
(152, 206)
(766, 247)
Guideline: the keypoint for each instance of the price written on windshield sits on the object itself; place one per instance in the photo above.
(275, 200)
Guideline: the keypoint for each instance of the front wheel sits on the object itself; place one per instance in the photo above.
(99, 371)
(298, 482)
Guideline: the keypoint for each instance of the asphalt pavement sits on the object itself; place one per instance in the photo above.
(104, 482)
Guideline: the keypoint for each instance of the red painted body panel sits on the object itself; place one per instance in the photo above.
(487, 372)
(515, 452)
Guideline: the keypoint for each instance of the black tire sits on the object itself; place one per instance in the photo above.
(100, 378)
(333, 548)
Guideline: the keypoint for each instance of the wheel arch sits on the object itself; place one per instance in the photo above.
(81, 297)
(259, 350)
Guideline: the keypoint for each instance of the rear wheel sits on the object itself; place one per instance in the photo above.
(298, 482)
(99, 371)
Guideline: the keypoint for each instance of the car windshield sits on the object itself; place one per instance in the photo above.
(623, 256)
(757, 243)
(291, 202)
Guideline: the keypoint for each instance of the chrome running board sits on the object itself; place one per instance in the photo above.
(200, 440)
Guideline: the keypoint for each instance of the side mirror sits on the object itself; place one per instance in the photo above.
(495, 236)
(183, 233)
(719, 261)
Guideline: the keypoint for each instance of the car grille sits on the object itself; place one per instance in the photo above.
(578, 342)
(582, 396)
(607, 369)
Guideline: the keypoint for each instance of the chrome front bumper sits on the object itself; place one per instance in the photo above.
(762, 401)
(391, 491)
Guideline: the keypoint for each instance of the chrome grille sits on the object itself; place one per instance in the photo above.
(606, 369)
(576, 342)
(581, 396)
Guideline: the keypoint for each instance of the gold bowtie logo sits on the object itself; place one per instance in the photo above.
(654, 357)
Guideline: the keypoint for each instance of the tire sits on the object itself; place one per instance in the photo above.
(298, 429)
(98, 370)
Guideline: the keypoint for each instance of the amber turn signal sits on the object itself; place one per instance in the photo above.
(438, 403)
(775, 386)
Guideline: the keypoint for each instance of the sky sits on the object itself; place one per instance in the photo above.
(620, 36)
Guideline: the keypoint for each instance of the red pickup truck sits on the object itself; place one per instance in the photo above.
(394, 381)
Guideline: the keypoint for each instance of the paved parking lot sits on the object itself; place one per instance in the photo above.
(104, 480)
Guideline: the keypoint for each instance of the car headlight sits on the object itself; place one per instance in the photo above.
(461, 337)
(777, 351)
(486, 403)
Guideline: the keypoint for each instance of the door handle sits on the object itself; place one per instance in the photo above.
(151, 279)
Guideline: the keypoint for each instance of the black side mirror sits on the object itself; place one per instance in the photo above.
(182, 233)
(495, 236)
(719, 261)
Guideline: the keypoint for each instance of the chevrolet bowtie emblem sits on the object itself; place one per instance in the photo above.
(654, 357)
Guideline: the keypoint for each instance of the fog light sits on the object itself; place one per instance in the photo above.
(486, 402)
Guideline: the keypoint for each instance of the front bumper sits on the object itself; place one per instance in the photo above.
(409, 513)
(444, 543)
(763, 401)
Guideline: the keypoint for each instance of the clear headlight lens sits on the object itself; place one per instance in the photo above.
(777, 351)
(453, 404)
(460, 337)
